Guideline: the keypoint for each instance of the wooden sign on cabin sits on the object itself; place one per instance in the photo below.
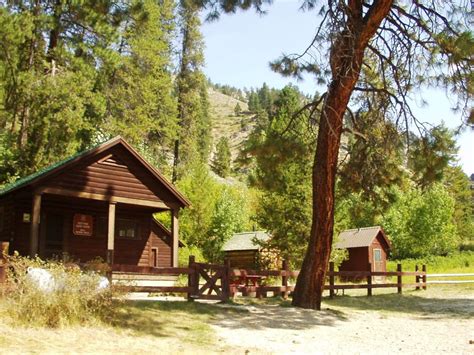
(83, 225)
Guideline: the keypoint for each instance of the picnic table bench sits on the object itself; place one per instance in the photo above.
(246, 283)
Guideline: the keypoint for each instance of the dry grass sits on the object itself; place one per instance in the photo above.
(226, 124)
(136, 327)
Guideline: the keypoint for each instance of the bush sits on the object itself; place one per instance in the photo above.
(67, 296)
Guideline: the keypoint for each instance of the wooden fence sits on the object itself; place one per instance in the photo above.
(215, 287)
(252, 281)
(444, 276)
(220, 282)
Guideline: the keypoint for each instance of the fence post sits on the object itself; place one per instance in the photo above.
(369, 280)
(423, 268)
(226, 281)
(399, 279)
(192, 278)
(284, 279)
(331, 279)
(417, 278)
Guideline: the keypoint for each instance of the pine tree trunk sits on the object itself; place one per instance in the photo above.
(310, 283)
(346, 56)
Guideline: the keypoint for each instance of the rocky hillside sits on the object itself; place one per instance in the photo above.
(225, 123)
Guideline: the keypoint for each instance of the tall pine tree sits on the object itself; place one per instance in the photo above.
(140, 96)
(193, 142)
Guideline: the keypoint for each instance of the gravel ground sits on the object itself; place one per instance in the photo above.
(343, 327)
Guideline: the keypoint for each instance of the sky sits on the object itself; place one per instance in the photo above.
(240, 46)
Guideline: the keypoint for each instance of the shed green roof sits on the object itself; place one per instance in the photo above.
(246, 241)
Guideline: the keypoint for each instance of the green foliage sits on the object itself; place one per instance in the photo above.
(185, 252)
(229, 216)
(375, 159)
(221, 164)
(216, 212)
(194, 140)
(237, 109)
(430, 155)
(459, 188)
(421, 223)
(74, 300)
(203, 191)
(140, 91)
(458, 262)
(282, 170)
(50, 103)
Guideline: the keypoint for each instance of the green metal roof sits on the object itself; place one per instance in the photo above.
(27, 179)
(245, 241)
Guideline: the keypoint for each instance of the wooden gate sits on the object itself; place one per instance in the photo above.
(209, 282)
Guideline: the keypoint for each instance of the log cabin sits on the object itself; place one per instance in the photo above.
(97, 203)
(364, 245)
(243, 251)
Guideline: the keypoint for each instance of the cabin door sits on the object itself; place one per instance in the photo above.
(53, 235)
(378, 263)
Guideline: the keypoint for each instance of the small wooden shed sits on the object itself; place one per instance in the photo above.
(364, 245)
(243, 250)
(98, 203)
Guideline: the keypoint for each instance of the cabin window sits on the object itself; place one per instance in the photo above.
(377, 255)
(126, 228)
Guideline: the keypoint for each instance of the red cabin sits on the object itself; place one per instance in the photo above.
(364, 245)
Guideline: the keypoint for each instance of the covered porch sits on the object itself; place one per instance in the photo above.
(86, 226)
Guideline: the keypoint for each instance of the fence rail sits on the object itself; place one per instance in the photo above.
(240, 280)
(219, 282)
(440, 282)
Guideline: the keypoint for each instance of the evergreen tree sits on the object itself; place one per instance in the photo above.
(254, 102)
(194, 138)
(141, 106)
(237, 109)
(281, 165)
(430, 155)
(50, 54)
(221, 164)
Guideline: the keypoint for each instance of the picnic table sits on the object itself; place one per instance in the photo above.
(246, 283)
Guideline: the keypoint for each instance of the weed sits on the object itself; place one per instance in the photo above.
(62, 295)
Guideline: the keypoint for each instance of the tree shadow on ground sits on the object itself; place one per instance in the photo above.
(427, 307)
(191, 320)
(280, 315)
(168, 318)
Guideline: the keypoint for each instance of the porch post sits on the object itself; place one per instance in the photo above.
(174, 234)
(111, 233)
(34, 227)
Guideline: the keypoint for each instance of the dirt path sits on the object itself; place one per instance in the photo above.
(346, 329)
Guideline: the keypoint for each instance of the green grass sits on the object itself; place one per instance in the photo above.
(462, 262)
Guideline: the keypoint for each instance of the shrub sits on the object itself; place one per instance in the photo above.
(67, 296)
